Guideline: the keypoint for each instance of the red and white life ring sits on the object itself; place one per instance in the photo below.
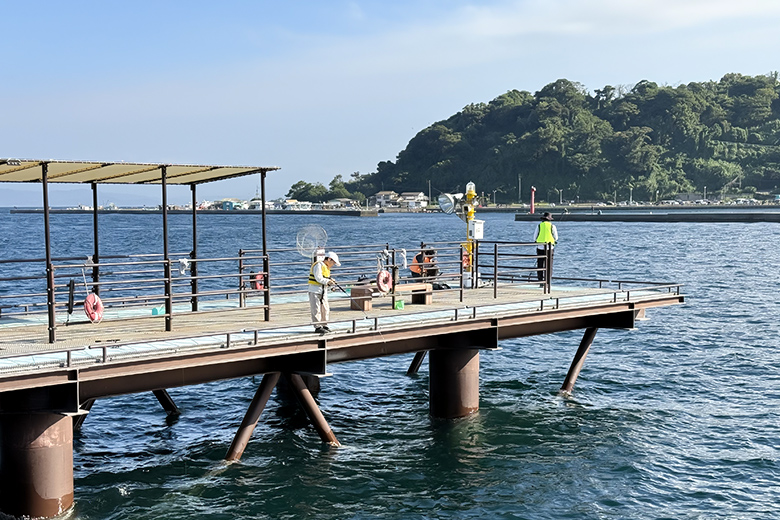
(257, 283)
(93, 308)
(384, 281)
(466, 260)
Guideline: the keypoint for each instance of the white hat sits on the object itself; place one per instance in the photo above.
(333, 256)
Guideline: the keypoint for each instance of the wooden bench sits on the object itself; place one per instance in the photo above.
(361, 295)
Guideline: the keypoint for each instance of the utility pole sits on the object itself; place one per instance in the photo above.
(520, 188)
(429, 191)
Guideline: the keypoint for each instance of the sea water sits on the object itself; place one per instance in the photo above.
(677, 419)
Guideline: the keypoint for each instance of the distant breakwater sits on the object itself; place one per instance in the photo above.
(659, 216)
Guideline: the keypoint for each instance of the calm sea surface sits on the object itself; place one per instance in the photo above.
(677, 419)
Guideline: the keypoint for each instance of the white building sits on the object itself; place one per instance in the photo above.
(413, 200)
(386, 199)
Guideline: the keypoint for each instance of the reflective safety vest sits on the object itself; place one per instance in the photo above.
(325, 273)
(545, 233)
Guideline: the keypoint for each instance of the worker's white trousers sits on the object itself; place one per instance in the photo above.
(320, 308)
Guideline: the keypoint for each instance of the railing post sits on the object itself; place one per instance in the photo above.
(194, 281)
(168, 296)
(394, 270)
(460, 263)
(267, 288)
(548, 253)
(495, 271)
(475, 265)
(241, 283)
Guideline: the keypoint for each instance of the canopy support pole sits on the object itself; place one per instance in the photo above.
(95, 255)
(166, 260)
(266, 273)
(194, 253)
(49, 266)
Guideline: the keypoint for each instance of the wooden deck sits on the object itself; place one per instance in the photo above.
(24, 348)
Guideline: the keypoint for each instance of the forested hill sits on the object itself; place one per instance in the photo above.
(657, 140)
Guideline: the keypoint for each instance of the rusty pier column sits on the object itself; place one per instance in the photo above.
(36, 464)
(249, 423)
(310, 407)
(454, 382)
(166, 401)
(417, 362)
(579, 359)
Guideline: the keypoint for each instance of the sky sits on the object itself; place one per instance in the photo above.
(322, 88)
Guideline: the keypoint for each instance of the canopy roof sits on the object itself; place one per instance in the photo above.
(79, 172)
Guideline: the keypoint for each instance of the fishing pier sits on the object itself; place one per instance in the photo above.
(175, 319)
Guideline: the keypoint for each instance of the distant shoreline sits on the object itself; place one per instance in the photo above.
(139, 211)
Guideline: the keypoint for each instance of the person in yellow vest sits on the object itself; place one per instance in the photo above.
(546, 233)
(319, 280)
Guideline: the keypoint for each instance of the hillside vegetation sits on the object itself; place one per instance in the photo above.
(655, 140)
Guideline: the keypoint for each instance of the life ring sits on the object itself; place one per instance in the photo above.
(256, 282)
(384, 281)
(93, 308)
(465, 260)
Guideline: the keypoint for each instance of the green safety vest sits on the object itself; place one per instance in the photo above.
(545, 233)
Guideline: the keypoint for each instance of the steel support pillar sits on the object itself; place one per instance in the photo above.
(311, 409)
(454, 382)
(166, 401)
(419, 357)
(36, 464)
(79, 419)
(579, 359)
(286, 393)
(249, 423)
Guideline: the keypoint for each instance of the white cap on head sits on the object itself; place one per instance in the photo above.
(333, 256)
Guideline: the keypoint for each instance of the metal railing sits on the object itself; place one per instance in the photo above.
(251, 337)
(144, 280)
(122, 281)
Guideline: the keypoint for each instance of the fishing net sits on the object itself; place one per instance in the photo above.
(311, 238)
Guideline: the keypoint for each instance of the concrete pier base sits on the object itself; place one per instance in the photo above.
(36, 464)
(454, 382)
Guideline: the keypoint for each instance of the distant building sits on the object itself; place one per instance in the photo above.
(386, 199)
(413, 200)
(342, 202)
(296, 205)
(231, 204)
